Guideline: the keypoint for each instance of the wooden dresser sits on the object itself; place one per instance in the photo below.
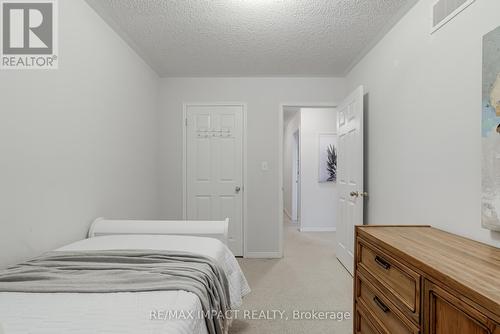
(417, 279)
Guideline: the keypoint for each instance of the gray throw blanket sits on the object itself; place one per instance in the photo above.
(126, 271)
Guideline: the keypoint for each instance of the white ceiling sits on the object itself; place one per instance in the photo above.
(250, 37)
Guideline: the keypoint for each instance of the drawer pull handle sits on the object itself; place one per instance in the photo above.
(383, 263)
(380, 304)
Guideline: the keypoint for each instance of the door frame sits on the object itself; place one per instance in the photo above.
(281, 160)
(295, 214)
(185, 106)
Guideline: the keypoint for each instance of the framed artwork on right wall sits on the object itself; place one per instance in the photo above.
(490, 132)
(327, 158)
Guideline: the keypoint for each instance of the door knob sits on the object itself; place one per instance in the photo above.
(364, 194)
(354, 194)
(237, 189)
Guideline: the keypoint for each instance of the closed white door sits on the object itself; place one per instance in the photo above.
(214, 163)
(350, 175)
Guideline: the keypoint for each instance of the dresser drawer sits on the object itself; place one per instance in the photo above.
(446, 313)
(411, 279)
(402, 283)
(385, 313)
(363, 324)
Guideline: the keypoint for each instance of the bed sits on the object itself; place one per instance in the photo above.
(126, 312)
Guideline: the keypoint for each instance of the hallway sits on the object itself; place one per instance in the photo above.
(309, 275)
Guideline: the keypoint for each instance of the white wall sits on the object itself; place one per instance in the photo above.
(263, 97)
(423, 121)
(78, 142)
(318, 200)
(288, 161)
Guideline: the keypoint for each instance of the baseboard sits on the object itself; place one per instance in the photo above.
(263, 255)
(318, 229)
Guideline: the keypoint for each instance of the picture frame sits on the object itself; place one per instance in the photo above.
(327, 157)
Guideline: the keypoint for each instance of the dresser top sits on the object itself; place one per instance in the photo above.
(469, 266)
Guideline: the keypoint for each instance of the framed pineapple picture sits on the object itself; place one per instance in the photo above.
(327, 157)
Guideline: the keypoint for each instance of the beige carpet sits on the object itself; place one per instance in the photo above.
(308, 278)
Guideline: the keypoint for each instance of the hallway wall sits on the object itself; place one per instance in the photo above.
(318, 200)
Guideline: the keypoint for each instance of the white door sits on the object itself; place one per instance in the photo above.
(214, 168)
(350, 175)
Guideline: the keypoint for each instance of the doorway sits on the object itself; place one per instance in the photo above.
(308, 202)
(348, 142)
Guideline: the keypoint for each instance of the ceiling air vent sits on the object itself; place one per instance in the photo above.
(445, 10)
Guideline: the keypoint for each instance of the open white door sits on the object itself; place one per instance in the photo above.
(350, 175)
(214, 167)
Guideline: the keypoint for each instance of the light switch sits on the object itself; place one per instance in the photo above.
(264, 166)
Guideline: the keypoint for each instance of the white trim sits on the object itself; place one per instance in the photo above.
(281, 205)
(281, 163)
(288, 214)
(184, 160)
(296, 179)
(263, 255)
(245, 180)
(318, 229)
(244, 163)
(448, 18)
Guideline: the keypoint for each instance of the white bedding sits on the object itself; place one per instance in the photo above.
(108, 313)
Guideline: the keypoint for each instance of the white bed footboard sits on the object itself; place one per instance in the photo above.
(211, 229)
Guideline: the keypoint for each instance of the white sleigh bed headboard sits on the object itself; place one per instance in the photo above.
(211, 229)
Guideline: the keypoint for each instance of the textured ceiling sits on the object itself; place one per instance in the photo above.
(250, 37)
